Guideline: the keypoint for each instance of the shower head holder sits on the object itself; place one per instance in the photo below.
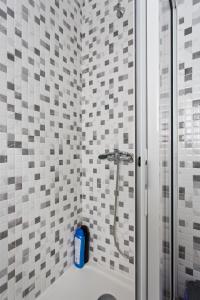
(119, 9)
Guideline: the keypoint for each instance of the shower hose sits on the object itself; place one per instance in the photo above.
(115, 212)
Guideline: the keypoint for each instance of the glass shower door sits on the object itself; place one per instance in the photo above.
(175, 118)
(188, 173)
(180, 134)
(166, 151)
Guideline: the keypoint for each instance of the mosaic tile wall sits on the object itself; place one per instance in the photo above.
(189, 142)
(40, 142)
(41, 65)
(108, 122)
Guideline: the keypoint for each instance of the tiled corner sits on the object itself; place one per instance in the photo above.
(108, 122)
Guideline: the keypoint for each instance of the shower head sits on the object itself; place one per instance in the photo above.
(120, 10)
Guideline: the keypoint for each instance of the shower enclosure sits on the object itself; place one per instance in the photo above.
(100, 125)
(67, 94)
(173, 121)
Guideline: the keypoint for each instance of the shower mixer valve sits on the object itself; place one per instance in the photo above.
(117, 156)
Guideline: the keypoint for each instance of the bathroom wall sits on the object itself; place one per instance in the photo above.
(60, 107)
(108, 122)
(40, 142)
(188, 142)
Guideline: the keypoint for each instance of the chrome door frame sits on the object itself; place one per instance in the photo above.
(141, 148)
(175, 144)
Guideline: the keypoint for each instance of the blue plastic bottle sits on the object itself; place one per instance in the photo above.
(79, 242)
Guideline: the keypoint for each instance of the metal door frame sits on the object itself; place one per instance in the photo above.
(141, 148)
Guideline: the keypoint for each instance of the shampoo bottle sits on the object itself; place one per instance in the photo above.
(79, 242)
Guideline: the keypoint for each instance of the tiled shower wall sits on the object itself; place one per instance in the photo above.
(189, 143)
(108, 120)
(40, 134)
(42, 141)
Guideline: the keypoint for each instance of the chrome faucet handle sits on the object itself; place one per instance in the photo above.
(109, 156)
(103, 156)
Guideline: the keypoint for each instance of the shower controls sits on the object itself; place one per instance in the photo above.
(117, 156)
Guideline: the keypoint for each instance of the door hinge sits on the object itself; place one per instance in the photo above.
(146, 169)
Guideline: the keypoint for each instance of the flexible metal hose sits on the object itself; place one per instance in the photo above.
(115, 212)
